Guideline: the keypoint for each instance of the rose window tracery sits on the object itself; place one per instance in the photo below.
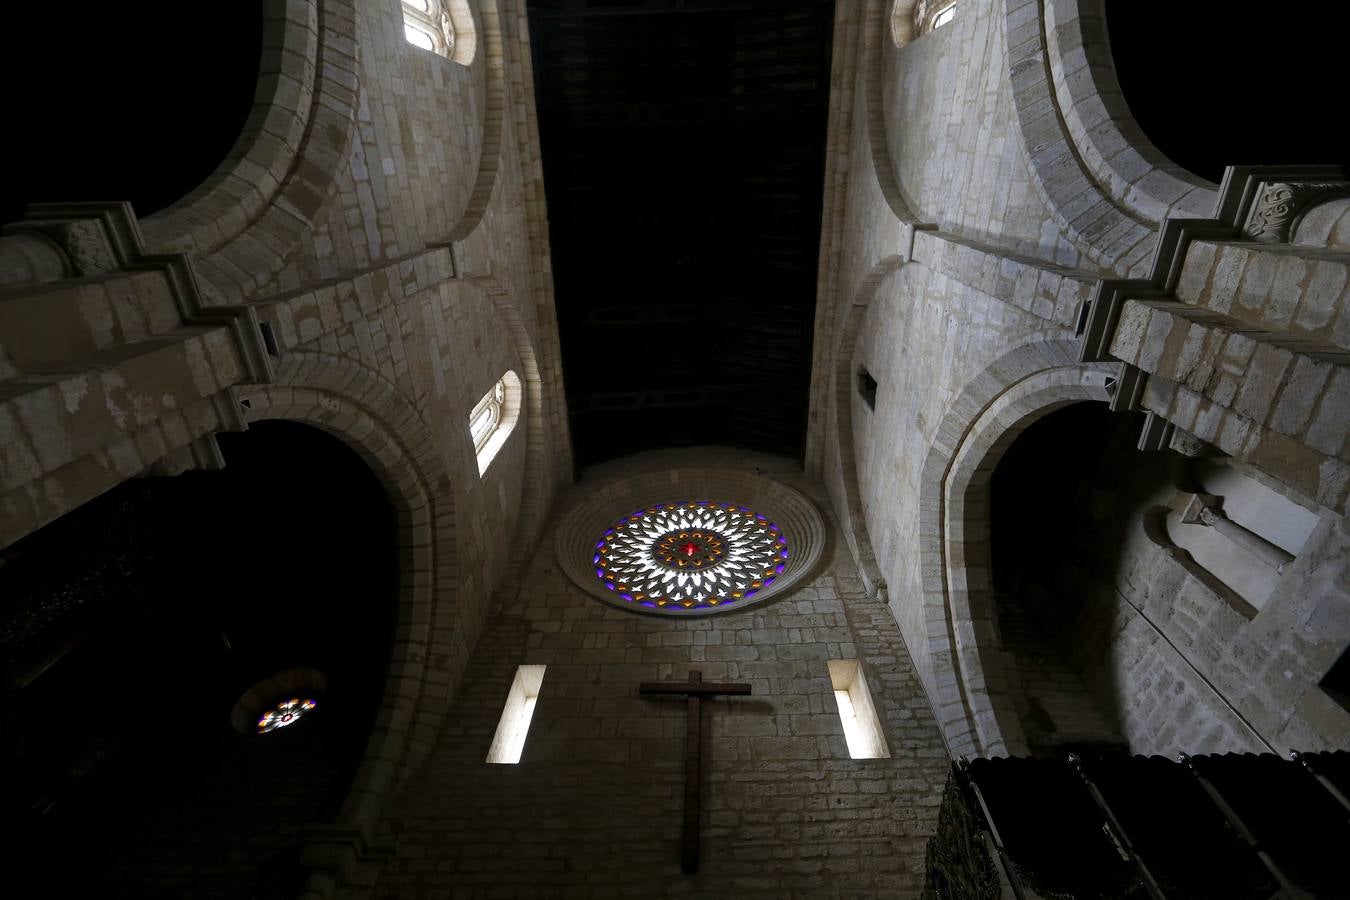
(284, 714)
(690, 555)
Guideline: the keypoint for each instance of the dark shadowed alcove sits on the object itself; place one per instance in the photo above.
(124, 101)
(1220, 84)
(1049, 509)
(134, 625)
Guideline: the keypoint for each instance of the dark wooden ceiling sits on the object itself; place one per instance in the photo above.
(683, 148)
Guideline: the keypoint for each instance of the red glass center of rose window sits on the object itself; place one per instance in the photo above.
(689, 548)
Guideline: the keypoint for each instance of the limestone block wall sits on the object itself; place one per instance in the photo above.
(1206, 672)
(954, 139)
(441, 343)
(593, 809)
(1053, 703)
(924, 337)
(1007, 126)
(370, 261)
(361, 148)
(423, 131)
(987, 189)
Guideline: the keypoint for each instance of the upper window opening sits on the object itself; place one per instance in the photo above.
(932, 14)
(494, 417)
(445, 27)
(426, 24)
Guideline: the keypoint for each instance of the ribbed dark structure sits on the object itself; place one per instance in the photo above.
(683, 144)
(1228, 827)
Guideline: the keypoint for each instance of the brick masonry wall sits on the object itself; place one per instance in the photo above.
(594, 807)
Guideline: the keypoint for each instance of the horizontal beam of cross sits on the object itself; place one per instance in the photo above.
(692, 687)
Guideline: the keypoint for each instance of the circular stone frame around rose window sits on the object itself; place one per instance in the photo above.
(690, 543)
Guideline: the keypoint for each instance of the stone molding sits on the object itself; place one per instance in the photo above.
(1251, 198)
(1280, 206)
(904, 16)
(883, 163)
(488, 31)
(1120, 158)
(1105, 229)
(849, 505)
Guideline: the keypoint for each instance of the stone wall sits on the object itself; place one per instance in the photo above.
(594, 807)
(370, 259)
(1000, 239)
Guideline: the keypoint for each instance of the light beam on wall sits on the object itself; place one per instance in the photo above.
(509, 740)
(862, 728)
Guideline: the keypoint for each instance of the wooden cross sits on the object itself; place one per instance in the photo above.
(695, 689)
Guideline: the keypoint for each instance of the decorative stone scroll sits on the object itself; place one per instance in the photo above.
(1281, 205)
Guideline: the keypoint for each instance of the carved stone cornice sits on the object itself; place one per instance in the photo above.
(1268, 199)
(103, 238)
(1280, 206)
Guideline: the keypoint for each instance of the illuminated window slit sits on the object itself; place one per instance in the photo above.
(862, 728)
(509, 741)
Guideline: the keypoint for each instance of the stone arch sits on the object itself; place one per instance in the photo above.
(853, 524)
(538, 486)
(488, 33)
(1121, 159)
(969, 687)
(874, 29)
(356, 405)
(277, 181)
(1109, 210)
(902, 22)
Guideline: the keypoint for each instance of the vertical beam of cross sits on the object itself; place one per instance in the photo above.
(695, 689)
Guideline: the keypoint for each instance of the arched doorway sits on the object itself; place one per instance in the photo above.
(189, 591)
(1049, 526)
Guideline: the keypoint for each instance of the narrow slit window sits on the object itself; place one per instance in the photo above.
(509, 740)
(862, 728)
(494, 418)
(944, 16)
(1336, 683)
(867, 388)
